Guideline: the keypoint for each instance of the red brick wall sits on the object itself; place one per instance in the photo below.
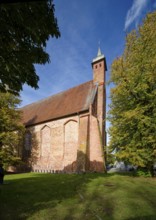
(82, 155)
(97, 124)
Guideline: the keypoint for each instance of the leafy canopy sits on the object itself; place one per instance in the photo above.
(133, 109)
(11, 129)
(25, 27)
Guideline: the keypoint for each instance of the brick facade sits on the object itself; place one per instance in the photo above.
(72, 143)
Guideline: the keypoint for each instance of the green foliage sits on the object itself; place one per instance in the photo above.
(25, 28)
(143, 172)
(11, 129)
(110, 158)
(133, 109)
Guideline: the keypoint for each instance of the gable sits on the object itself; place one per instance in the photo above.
(71, 101)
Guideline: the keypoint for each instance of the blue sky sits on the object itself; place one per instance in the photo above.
(83, 23)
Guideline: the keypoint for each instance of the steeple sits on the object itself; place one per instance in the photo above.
(99, 52)
(99, 55)
(99, 67)
(99, 74)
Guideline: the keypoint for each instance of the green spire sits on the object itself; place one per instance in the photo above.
(99, 55)
(99, 52)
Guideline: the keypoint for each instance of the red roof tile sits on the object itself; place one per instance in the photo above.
(71, 101)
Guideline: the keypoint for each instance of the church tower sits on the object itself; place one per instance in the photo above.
(99, 71)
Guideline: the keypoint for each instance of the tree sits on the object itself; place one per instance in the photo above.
(133, 109)
(11, 129)
(25, 28)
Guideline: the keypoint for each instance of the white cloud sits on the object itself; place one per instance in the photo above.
(134, 12)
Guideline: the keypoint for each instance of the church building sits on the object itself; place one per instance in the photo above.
(66, 132)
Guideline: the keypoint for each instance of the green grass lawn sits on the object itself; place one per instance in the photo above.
(82, 197)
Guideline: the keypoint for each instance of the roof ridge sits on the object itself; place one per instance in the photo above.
(49, 97)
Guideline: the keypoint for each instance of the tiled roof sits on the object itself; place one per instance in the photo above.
(71, 101)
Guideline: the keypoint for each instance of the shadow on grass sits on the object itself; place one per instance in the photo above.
(25, 195)
(22, 195)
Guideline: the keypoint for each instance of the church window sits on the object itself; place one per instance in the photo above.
(71, 144)
(28, 139)
(45, 141)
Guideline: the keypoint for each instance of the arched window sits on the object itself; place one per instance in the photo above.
(28, 140)
(71, 143)
(45, 141)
